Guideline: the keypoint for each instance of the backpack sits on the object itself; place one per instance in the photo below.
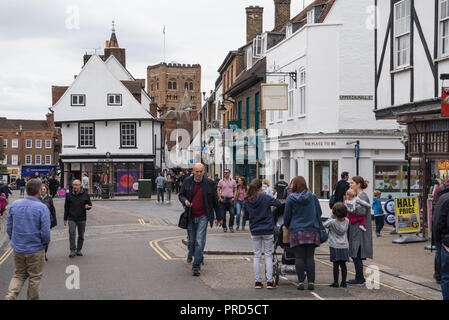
(332, 199)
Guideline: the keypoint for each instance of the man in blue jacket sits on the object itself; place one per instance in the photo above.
(28, 227)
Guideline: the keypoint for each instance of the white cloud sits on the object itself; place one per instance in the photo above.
(38, 50)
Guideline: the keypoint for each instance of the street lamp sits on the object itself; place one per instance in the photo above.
(356, 153)
(222, 110)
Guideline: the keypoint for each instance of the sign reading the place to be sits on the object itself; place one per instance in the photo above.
(407, 215)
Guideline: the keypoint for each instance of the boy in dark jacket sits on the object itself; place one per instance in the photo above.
(440, 236)
(261, 223)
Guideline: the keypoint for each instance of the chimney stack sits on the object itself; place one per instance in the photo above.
(254, 22)
(281, 14)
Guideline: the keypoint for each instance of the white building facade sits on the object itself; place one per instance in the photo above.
(107, 129)
(331, 104)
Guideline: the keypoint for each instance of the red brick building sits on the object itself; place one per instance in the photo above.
(29, 146)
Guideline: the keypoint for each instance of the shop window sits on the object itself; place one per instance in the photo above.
(391, 180)
(323, 175)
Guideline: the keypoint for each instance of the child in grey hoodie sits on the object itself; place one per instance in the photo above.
(352, 202)
(338, 226)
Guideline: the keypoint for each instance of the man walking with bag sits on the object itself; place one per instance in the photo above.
(77, 202)
(28, 227)
(199, 196)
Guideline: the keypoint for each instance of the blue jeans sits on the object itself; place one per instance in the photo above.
(22, 191)
(445, 273)
(238, 213)
(437, 273)
(197, 230)
(160, 193)
(227, 205)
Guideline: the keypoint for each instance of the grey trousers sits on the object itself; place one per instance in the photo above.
(267, 242)
(81, 226)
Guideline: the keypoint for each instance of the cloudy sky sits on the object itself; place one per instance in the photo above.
(42, 43)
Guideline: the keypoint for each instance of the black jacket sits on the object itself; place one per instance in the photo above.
(5, 190)
(209, 195)
(74, 207)
(340, 190)
(48, 201)
(440, 221)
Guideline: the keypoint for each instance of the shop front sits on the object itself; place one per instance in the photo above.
(120, 177)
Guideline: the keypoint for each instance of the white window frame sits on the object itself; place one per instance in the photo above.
(288, 30)
(38, 144)
(444, 21)
(125, 136)
(402, 33)
(47, 159)
(14, 159)
(82, 127)
(28, 157)
(302, 91)
(291, 97)
(15, 143)
(311, 16)
(47, 144)
(5, 143)
(116, 97)
(30, 146)
(38, 159)
(249, 58)
(75, 100)
(258, 47)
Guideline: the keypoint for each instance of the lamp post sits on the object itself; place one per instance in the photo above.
(222, 110)
(356, 153)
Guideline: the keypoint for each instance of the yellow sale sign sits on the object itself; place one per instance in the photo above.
(407, 215)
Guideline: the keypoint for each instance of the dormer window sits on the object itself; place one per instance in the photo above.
(78, 100)
(311, 16)
(288, 30)
(259, 46)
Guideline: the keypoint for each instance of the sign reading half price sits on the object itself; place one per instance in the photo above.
(274, 96)
(407, 215)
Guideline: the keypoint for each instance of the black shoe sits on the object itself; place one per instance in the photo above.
(189, 260)
(343, 285)
(79, 254)
(310, 286)
(46, 259)
(258, 285)
(225, 230)
(354, 281)
(271, 285)
(196, 273)
(301, 286)
(334, 285)
(231, 229)
(72, 254)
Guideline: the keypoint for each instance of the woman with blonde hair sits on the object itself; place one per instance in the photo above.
(266, 187)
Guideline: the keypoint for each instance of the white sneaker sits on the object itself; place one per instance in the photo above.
(363, 228)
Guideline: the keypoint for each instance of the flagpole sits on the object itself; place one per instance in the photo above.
(164, 42)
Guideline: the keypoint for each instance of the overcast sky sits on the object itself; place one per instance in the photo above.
(42, 43)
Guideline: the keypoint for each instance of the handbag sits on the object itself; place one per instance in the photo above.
(184, 218)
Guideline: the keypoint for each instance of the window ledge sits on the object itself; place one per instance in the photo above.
(302, 116)
(280, 121)
(128, 148)
(86, 148)
(401, 69)
(440, 59)
(290, 119)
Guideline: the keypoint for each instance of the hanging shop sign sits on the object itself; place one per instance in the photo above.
(274, 96)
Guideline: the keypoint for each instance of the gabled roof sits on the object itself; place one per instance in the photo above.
(229, 58)
(303, 14)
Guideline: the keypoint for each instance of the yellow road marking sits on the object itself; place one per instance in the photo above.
(5, 255)
(142, 221)
(157, 251)
(380, 283)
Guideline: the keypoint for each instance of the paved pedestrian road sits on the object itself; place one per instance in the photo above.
(133, 250)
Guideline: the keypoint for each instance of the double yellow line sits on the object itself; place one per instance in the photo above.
(142, 221)
(155, 245)
(5, 255)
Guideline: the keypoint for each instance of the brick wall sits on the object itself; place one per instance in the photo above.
(281, 13)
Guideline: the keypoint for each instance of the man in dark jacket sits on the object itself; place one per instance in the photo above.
(199, 196)
(77, 202)
(4, 188)
(340, 189)
(440, 237)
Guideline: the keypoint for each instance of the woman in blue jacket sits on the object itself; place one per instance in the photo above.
(261, 224)
(301, 215)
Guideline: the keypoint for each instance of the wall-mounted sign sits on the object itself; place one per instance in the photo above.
(320, 144)
(356, 97)
(445, 102)
(274, 96)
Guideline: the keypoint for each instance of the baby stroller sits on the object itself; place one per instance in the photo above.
(285, 265)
